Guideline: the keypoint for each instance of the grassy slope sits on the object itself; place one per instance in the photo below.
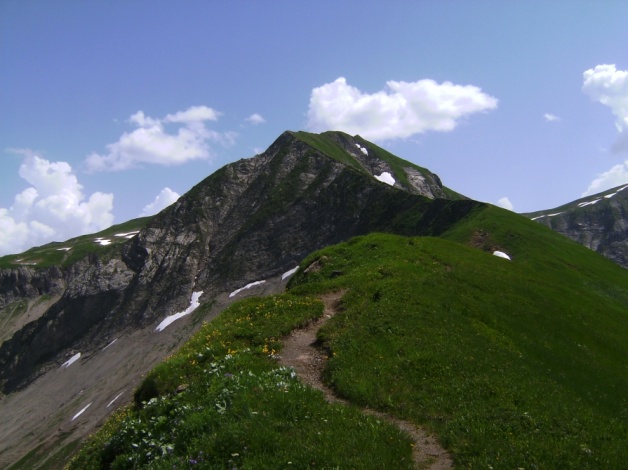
(239, 410)
(513, 364)
(51, 253)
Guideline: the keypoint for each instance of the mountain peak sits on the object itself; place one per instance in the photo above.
(368, 158)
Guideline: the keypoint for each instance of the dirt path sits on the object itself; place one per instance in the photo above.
(300, 352)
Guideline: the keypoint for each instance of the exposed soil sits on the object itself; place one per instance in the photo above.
(301, 352)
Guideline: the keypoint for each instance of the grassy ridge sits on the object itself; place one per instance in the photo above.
(54, 254)
(514, 364)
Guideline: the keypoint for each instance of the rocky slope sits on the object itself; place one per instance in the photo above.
(251, 220)
(599, 222)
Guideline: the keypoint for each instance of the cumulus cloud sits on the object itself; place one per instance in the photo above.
(165, 198)
(400, 110)
(52, 208)
(616, 176)
(256, 119)
(551, 117)
(609, 86)
(505, 203)
(151, 141)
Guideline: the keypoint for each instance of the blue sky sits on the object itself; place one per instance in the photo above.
(110, 109)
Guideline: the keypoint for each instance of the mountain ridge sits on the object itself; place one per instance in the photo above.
(599, 222)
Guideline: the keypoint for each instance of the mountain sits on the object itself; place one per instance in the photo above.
(248, 222)
(441, 328)
(599, 222)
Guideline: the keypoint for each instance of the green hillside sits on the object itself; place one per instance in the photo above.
(517, 363)
(72, 250)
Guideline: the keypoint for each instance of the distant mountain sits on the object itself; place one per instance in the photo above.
(599, 222)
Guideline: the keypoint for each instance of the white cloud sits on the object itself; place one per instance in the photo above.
(616, 176)
(551, 117)
(151, 142)
(505, 203)
(256, 119)
(165, 198)
(193, 114)
(609, 86)
(400, 110)
(52, 208)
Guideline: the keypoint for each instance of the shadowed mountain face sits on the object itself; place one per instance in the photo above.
(599, 222)
(250, 220)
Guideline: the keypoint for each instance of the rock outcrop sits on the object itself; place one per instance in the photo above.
(599, 222)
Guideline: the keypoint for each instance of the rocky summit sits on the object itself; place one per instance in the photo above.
(103, 304)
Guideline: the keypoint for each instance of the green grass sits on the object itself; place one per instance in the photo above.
(510, 364)
(239, 409)
(52, 254)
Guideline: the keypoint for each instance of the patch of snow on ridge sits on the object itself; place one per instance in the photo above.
(71, 361)
(194, 303)
(363, 149)
(248, 286)
(80, 412)
(386, 177)
(102, 241)
(501, 254)
(289, 273)
(66, 248)
(128, 234)
(586, 203)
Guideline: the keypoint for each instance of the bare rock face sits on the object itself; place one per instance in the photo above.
(25, 282)
(599, 222)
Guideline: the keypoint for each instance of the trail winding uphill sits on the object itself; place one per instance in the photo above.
(300, 352)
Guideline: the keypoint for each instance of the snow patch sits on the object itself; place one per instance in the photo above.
(127, 234)
(66, 248)
(586, 203)
(363, 149)
(248, 286)
(194, 303)
(71, 361)
(386, 177)
(117, 396)
(80, 412)
(501, 254)
(102, 241)
(289, 273)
